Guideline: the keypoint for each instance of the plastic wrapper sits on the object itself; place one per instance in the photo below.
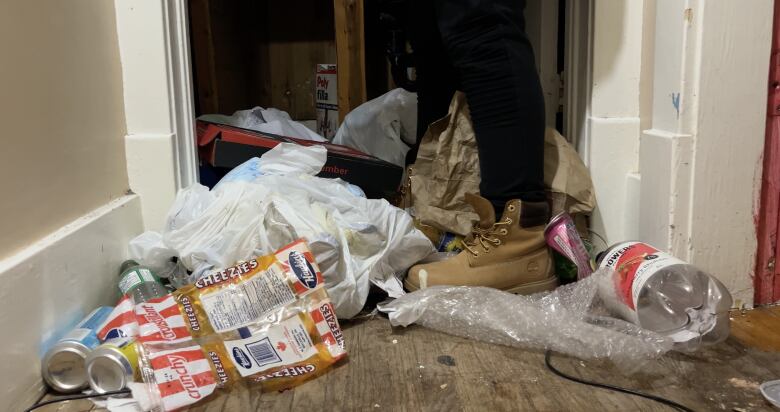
(568, 321)
(265, 324)
(356, 241)
(384, 127)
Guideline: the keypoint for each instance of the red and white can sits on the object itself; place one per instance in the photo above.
(561, 235)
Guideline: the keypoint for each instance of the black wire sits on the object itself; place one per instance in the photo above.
(658, 399)
(74, 397)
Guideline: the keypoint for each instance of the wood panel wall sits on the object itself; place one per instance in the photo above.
(250, 53)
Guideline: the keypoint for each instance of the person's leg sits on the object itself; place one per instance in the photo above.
(436, 79)
(487, 44)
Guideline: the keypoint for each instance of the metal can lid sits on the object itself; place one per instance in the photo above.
(63, 366)
(555, 220)
(108, 370)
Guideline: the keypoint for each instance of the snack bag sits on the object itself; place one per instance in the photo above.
(266, 323)
(289, 352)
(121, 323)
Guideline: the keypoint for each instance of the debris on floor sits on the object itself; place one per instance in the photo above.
(243, 286)
(667, 303)
(561, 321)
(274, 200)
(266, 323)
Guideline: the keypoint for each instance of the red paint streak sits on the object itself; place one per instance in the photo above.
(767, 279)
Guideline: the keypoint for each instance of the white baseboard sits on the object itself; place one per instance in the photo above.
(53, 283)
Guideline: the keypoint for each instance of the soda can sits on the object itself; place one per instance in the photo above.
(62, 367)
(112, 365)
(562, 236)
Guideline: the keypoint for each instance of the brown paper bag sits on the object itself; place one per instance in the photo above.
(447, 167)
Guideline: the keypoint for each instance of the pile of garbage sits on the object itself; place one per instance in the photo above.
(266, 323)
(271, 201)
(243, 286)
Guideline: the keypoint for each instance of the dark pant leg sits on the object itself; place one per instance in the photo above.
(487, 44)
(436, 77)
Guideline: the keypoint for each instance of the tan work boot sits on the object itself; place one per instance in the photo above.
(510, 254)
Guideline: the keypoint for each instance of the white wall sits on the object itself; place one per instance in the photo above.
(65, 217)
(62, 115)
(701, 161)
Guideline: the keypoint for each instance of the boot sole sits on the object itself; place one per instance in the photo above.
(524, 289)
(535, 287)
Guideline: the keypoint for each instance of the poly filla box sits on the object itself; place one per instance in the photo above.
(327, 100)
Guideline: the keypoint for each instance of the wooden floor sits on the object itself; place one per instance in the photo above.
(417, 369)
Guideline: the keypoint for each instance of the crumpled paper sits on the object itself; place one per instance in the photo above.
(447, 167)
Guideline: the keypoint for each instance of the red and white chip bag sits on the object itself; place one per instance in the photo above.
(265, 324)
(121, 323)
(160, 320)
(175, 377)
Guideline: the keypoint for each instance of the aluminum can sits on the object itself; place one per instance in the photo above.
(562, 236)
(112, 365)
(62, 367)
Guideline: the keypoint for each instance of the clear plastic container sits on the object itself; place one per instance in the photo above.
(666, 295)
(140, 282)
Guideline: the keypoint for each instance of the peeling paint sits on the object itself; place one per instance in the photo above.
(676, 103)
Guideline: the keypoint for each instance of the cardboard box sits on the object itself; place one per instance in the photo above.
(223, 146)
(326, 97)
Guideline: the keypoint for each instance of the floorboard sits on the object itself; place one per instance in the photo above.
(416, 369)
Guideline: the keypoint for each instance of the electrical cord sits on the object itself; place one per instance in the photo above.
(655, 398)
(75, 397)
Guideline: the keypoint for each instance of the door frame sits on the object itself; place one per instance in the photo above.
(767, 280)
(577, 73)
(160, 145)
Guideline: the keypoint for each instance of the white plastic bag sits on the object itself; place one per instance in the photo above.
(356, 241)
(384, 127)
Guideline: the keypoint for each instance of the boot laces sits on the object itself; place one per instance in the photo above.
(485, 237)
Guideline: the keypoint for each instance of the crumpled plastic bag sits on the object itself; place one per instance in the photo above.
(568, 320)
(384, 127)
(356, 241)
(269, 120)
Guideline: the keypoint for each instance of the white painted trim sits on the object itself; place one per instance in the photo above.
(180, 75)
(156, 71)
(51, 284)
(700, 163)
(151, 173)
(610, 145)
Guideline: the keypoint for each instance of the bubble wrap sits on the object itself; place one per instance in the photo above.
(569, 320)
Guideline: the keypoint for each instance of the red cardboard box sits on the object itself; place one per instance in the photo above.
(225, 146)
